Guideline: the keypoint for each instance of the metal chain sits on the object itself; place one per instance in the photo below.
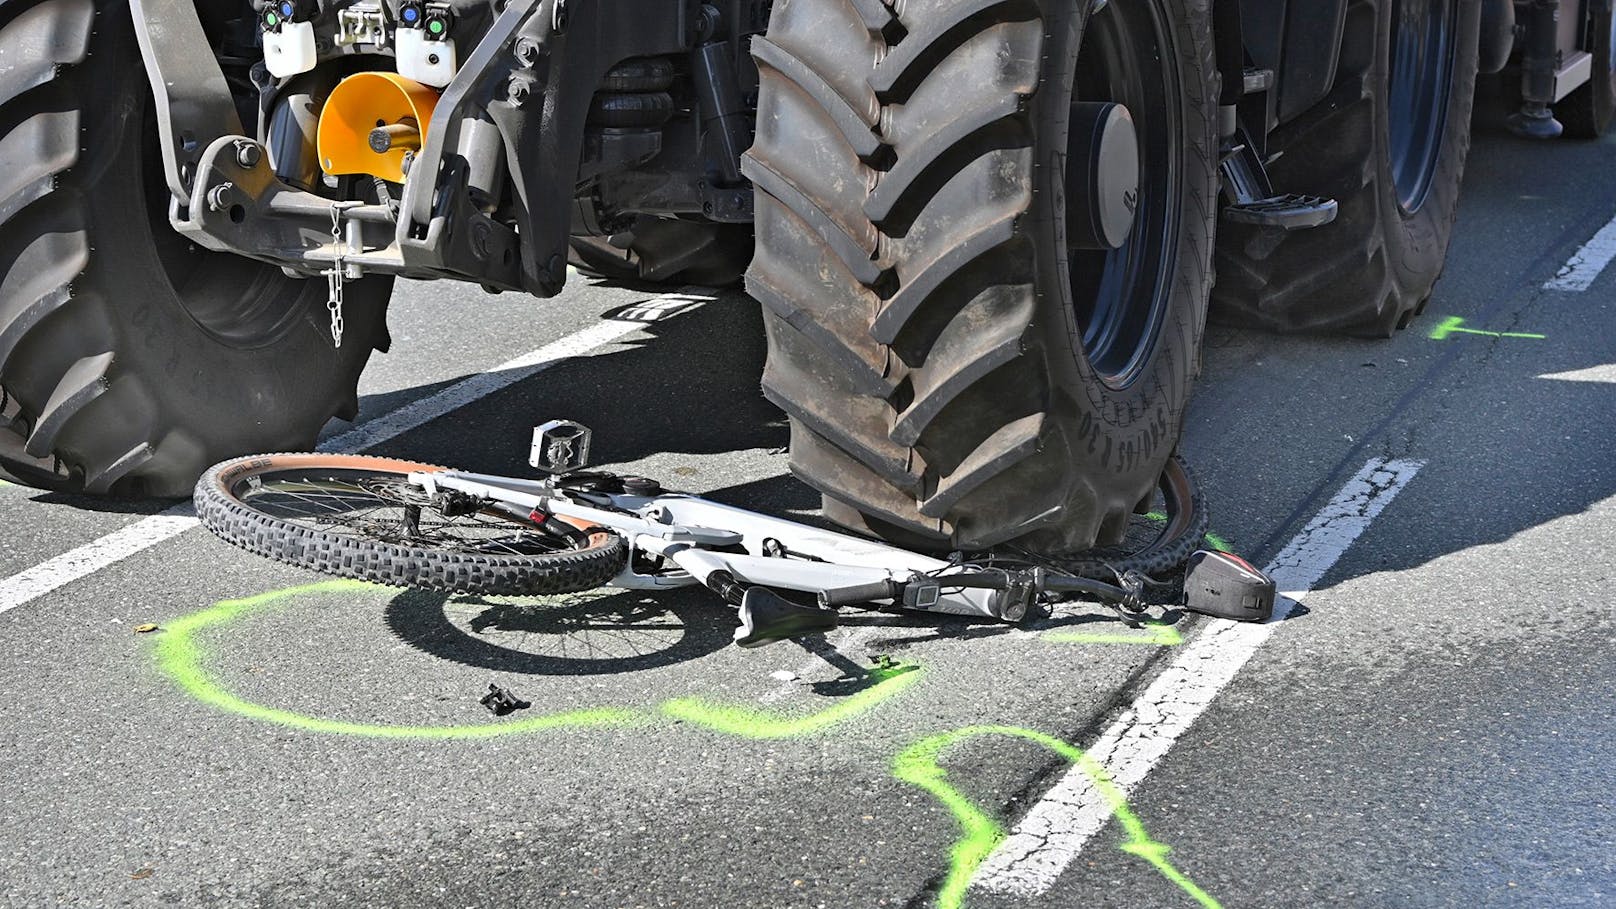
(336, 278)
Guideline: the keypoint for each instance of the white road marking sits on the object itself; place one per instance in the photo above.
(1606, 373)
(1054, 832)
(32, 583)
(1584, 266)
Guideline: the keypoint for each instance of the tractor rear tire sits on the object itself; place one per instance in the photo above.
(130, 360)
(1388, 143)
(956, 375)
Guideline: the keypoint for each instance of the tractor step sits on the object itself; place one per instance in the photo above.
(1287, 212)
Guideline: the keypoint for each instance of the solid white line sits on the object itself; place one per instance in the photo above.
(1606, 373)
(1586, 263)
(32, 583)
(1052, 834)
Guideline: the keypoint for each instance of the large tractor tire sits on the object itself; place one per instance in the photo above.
(131, 360)
(1388, 143)
(959, 370)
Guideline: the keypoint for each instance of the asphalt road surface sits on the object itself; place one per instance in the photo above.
(1432, 722)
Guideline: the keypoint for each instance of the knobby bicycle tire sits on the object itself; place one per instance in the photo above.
(223, 510)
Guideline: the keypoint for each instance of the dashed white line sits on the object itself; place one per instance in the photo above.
(1606, 373)
(1585, 265)
(33, 583)
(1054, 832)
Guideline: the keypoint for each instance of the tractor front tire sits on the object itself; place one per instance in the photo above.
(131, 360)
(958, 370)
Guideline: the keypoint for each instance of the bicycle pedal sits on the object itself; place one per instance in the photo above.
(501, 701)
(767, 617)
(560, 447)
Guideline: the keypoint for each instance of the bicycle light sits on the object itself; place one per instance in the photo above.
(560, 446)
(1224, 585)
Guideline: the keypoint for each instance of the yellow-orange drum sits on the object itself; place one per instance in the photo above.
(396, 109)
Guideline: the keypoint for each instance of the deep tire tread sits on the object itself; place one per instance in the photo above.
(857, 125)
(83, 382)
(964, 442)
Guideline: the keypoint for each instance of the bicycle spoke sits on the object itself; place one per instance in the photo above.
(374, 507)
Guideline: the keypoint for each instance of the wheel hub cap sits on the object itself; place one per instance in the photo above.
(1102, 176)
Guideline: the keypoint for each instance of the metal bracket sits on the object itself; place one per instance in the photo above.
(194, 104)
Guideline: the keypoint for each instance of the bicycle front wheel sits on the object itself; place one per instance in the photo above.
(360, 517)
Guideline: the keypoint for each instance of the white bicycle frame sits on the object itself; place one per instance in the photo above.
(691, 533)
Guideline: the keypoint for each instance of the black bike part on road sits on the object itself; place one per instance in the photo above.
(1388, 143)
(1588, 110)
(956, 375)
(344, 515)
(130, 359)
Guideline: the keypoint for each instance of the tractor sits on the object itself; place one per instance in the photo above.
(985, 235)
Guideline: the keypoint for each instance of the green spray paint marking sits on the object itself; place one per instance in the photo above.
(1453, 325)
(1212, 539)
(920, 765)
(751, 723)
(1158, 634)
(181, 657)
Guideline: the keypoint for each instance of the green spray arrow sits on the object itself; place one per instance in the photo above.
(1455, 325)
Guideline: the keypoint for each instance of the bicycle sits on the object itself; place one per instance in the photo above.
(408, 524)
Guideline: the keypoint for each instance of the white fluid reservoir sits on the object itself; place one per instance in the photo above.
(426, 61)
(290, 50)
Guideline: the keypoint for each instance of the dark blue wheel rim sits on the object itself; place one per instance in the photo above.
(1121, 295)
(1418, 87)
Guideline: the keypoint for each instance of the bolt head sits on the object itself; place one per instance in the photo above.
(248, 154)
(527, 51)
(222, 196)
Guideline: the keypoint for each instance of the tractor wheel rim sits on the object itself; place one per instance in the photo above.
(1120, 295)
(1418, 88)
(239, 302)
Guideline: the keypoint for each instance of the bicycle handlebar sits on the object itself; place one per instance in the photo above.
(862, 593)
